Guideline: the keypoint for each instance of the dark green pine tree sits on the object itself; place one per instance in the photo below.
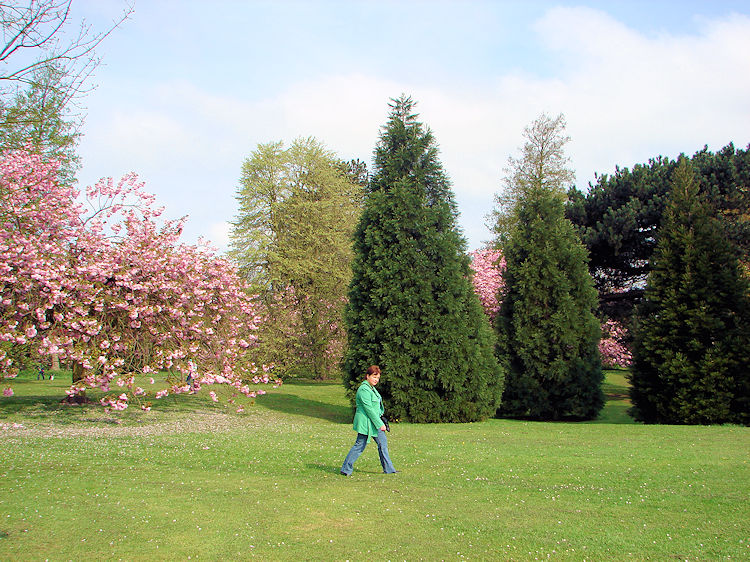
(548, 334)
(692, 343)
(412, 309)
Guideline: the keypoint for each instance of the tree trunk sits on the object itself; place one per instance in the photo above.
(78, 371)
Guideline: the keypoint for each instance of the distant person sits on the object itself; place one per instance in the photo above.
(40, 373)
(368, 422)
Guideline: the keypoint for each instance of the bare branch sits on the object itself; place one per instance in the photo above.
(38, 29)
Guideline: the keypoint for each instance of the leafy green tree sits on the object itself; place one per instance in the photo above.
(619, 218)
(691, 364)
(547, 333)
(292, 240)
(412, 309)
(37, 118)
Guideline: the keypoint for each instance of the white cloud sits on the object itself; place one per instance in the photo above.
(218, 233)
(627, 97)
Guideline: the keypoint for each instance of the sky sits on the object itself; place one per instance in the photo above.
(188, 89)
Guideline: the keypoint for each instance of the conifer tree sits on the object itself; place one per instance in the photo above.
(547, 333)
(691, 363)
(412, 309)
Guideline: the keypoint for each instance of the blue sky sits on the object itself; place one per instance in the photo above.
(188, 89)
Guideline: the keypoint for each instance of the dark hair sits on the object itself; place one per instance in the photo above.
(373, 370)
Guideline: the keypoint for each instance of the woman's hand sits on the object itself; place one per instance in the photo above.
(382, 428)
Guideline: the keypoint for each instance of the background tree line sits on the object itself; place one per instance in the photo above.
(328, 252)
(668, 245)
(619, 216)
(406, 308)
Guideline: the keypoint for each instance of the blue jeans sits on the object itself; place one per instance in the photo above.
(359, 447)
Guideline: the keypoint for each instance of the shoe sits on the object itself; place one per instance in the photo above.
(342, 473)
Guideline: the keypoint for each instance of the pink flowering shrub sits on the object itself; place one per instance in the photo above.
(102, 285)
(612, 348)
(488, 266)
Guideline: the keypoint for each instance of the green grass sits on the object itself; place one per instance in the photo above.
(265, 484)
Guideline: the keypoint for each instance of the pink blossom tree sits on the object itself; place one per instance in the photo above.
(488, 266)
(612, 346)
(102, 285)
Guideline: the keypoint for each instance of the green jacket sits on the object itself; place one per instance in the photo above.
(369, 409)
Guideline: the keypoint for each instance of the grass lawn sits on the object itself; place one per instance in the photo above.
(193, 480)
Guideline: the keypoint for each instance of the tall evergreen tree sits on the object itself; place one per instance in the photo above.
(691, 362)
(620, 215)
(412, 309)
(547, 333)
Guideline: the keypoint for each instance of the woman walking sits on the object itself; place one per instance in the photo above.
(368, 423)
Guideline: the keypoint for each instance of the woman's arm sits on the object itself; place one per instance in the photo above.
(371, 406)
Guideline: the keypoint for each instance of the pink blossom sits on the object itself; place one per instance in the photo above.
(98, 279)
(612, 347)
(488, 267)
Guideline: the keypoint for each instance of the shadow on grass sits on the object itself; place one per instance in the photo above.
(614, 393)
(292, 404)
(39, 402)
(615, 409)
(327, 468)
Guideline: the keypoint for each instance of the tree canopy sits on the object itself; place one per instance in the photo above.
(690, 354)
(44, 72)
(548, 334)
(105, 286)
(292, 241)
(619, 218)
(542, 164)
(412, 309)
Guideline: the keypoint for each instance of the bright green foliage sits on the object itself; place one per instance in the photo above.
(691, 362)
(412, 309)
(38, 117)
(292, 240)
(547, 333)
